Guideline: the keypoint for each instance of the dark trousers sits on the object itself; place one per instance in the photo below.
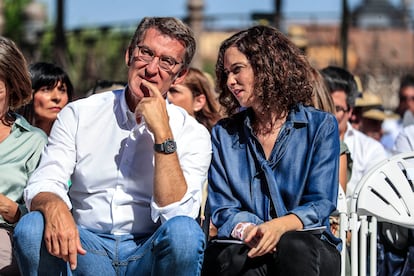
(297, 253)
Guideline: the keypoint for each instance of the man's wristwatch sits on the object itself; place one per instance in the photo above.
(167, 147)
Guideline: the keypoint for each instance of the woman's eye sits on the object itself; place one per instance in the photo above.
(236, 70)
(62, 89)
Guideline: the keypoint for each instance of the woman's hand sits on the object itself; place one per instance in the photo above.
(9, 209)
(263, 238)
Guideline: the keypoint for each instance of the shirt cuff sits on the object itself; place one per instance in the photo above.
(32, 190)
(188, 206)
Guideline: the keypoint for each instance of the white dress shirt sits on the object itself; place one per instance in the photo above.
(405, 140)
(97, 143)
(365, 151)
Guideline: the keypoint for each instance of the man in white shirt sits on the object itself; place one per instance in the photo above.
(365, 151)
(137, 165)
(406, 104)
(405, 140)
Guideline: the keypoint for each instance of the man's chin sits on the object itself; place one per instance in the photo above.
(134, 95)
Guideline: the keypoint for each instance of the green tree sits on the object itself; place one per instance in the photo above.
(14, 19)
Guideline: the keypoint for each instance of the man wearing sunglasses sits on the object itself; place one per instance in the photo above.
(137, 165)
(406, 95)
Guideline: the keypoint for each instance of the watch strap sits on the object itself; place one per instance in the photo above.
(168, 146)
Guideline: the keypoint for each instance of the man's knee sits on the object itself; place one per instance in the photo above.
(183, 233)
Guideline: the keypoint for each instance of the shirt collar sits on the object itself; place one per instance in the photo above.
(349, 129)
(295, 118)
(21, 123)
(128, 117)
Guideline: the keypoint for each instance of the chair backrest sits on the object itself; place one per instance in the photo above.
(384, 194)
(342, 212)
(387, 191)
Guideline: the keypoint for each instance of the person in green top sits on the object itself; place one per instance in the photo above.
(21, 145)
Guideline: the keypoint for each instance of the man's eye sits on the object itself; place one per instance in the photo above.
(168, 61)
(147, 52)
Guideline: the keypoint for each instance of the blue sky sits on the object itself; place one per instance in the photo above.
(81, 13)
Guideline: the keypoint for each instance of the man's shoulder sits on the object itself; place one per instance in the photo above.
(362, 137)
(190, 135)
(409, 130)
(179, 116)
(97, 99)
(368, 144)
(92, 108)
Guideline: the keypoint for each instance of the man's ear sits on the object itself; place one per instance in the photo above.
(199, 102)
(128, 57)
(350, 112)
(179, 78)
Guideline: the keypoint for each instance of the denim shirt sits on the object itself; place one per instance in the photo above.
(300, 177)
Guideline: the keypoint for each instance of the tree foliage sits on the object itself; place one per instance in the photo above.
(14, 19)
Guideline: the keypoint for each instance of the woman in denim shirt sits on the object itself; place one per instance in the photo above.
(274, 171)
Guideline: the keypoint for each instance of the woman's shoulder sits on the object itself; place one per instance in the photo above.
(311, 115)
(233, 121)
(25, 133)
(31, 130)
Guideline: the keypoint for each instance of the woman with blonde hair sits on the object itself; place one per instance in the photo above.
(196, 95)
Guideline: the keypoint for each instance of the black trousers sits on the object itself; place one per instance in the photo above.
(297, 253)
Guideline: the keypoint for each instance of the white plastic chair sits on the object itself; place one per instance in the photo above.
(384, 194)
(342, 211)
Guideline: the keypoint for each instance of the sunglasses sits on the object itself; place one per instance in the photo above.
(406, 98)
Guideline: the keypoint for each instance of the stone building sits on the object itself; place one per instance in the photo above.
(380, 47)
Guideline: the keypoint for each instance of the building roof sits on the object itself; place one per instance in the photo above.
(378, 13)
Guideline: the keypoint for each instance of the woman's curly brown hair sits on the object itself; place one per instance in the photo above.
(281, 71)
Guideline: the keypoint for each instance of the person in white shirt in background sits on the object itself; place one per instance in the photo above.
(365, 151)
(370, 117)
(137, 166)
(405, 140)
(406, 104)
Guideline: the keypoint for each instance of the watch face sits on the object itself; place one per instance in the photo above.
(170, 146)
